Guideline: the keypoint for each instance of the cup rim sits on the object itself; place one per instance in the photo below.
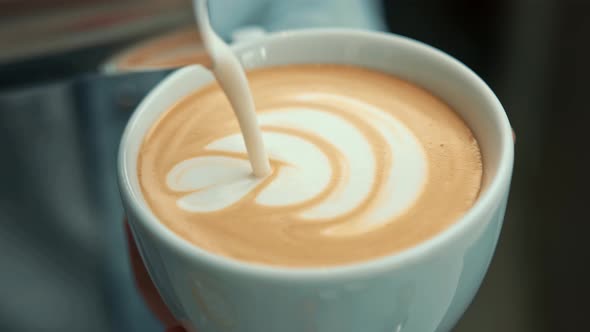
(356, 269)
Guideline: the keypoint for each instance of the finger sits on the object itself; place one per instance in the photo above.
(145, 285)
(513, 136)
(175, 329)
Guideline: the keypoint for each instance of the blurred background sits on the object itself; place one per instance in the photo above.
(65, 96)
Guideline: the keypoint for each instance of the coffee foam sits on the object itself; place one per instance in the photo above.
(304, 171)
(363, 164)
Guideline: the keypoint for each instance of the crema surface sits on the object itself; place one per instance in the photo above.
(364, 165)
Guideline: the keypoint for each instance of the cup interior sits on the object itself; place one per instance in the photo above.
(416, 62)
(413, 61)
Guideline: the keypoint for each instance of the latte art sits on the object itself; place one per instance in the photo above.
(324, 161)
(363, 165)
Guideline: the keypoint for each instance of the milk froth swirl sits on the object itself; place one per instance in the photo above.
(364, 164)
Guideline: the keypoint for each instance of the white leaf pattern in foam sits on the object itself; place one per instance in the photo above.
(197, 173)
(226, 181)
(219, 196)
(408, 170)
(305, 176)
(351, 144)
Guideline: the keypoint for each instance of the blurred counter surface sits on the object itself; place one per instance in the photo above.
(48, 40)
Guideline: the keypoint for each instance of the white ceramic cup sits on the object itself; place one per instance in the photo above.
(425, 288)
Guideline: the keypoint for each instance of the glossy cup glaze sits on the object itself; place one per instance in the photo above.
(425, 288)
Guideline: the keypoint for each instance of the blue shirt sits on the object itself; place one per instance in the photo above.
(276, 15)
